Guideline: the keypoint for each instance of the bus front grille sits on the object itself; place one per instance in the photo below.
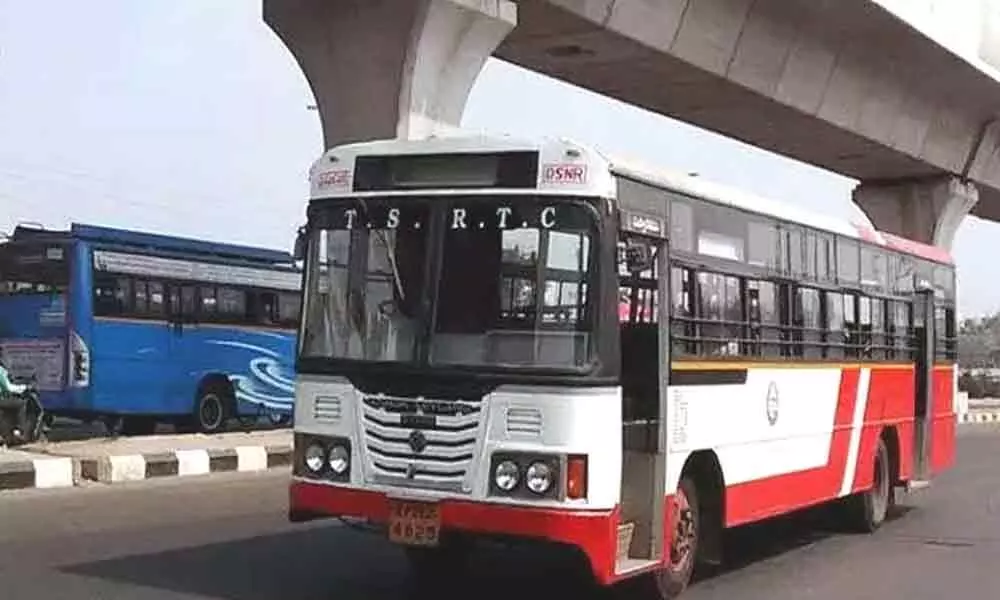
(418, 442)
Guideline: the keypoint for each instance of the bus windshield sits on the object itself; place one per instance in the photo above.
(472, 282)
(33, 268)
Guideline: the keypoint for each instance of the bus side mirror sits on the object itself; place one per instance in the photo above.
(299, 251)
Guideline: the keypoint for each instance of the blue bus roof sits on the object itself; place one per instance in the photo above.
(160, 242)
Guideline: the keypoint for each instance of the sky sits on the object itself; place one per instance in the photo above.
(190, 117)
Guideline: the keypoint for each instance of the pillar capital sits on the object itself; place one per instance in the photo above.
(390, 68)
(927, 210)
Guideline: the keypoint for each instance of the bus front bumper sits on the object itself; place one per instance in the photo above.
(591, 532)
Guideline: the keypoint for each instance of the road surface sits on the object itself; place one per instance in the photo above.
(225, 537)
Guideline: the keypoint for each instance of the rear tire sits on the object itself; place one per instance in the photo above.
(867, 511)
(212, 410)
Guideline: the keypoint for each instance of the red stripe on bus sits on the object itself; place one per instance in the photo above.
(593, 532)
(771, 496)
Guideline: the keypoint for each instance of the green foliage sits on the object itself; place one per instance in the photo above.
(979, 356)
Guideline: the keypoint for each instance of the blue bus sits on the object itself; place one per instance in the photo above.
(134, 329)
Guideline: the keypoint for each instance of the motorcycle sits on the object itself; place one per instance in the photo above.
(22, 416)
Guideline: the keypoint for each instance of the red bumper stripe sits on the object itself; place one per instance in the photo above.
(593, 532)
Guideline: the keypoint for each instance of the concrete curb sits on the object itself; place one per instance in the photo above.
(980, 417)
(64, 471)
(49, 472)
(182, 463)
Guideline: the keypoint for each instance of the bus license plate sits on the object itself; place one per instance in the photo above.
(414, 523)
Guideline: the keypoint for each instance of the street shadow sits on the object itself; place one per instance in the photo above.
(751, 544)
(333, 563)
(328, 562)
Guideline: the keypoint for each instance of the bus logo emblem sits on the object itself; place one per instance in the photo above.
(418, 442)
(772, 403)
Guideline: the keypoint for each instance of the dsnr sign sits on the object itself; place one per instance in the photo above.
(564, 173)
(335, 178)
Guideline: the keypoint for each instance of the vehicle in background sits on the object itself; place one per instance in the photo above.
(135, 329)
(483, 356)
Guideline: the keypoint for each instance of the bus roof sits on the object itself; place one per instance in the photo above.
(699, 187)
(156, 242)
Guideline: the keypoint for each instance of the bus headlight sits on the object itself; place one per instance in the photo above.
(315, 456)
(340, 460)
(506, 475)
(539, 478)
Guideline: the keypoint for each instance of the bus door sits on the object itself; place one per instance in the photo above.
(645, 367)
(924, 336)
(183, 310)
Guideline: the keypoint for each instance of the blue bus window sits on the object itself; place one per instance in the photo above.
(123, 294)
(188, 306)
(141, 298)
(209, 303)
(232, 303)
(157, 303)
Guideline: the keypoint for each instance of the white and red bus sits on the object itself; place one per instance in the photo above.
(482, 355)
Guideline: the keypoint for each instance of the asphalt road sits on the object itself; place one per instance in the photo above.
(225, 537)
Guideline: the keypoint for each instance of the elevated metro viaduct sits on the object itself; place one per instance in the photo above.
(900, 95)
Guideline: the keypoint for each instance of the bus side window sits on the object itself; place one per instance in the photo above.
(835, 324)
(105, 296)
(878, 329)
(851, 329)
(157, 301)
(141, 297)
(288, 309)
(261, 307)
(209, 303)
(268, 306)
(232, 304)
(682, 325)
(188, 304)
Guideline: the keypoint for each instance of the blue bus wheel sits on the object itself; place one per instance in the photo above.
(211, 411)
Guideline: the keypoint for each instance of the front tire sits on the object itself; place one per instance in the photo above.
(670, 581)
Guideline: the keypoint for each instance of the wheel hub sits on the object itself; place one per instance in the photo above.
(211, 411)
(685, 533)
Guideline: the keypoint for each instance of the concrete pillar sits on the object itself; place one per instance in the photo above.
(926, 210)
(390, 68)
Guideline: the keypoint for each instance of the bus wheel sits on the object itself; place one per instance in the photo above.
(211, 411)
(868, 510)
(674, 577)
